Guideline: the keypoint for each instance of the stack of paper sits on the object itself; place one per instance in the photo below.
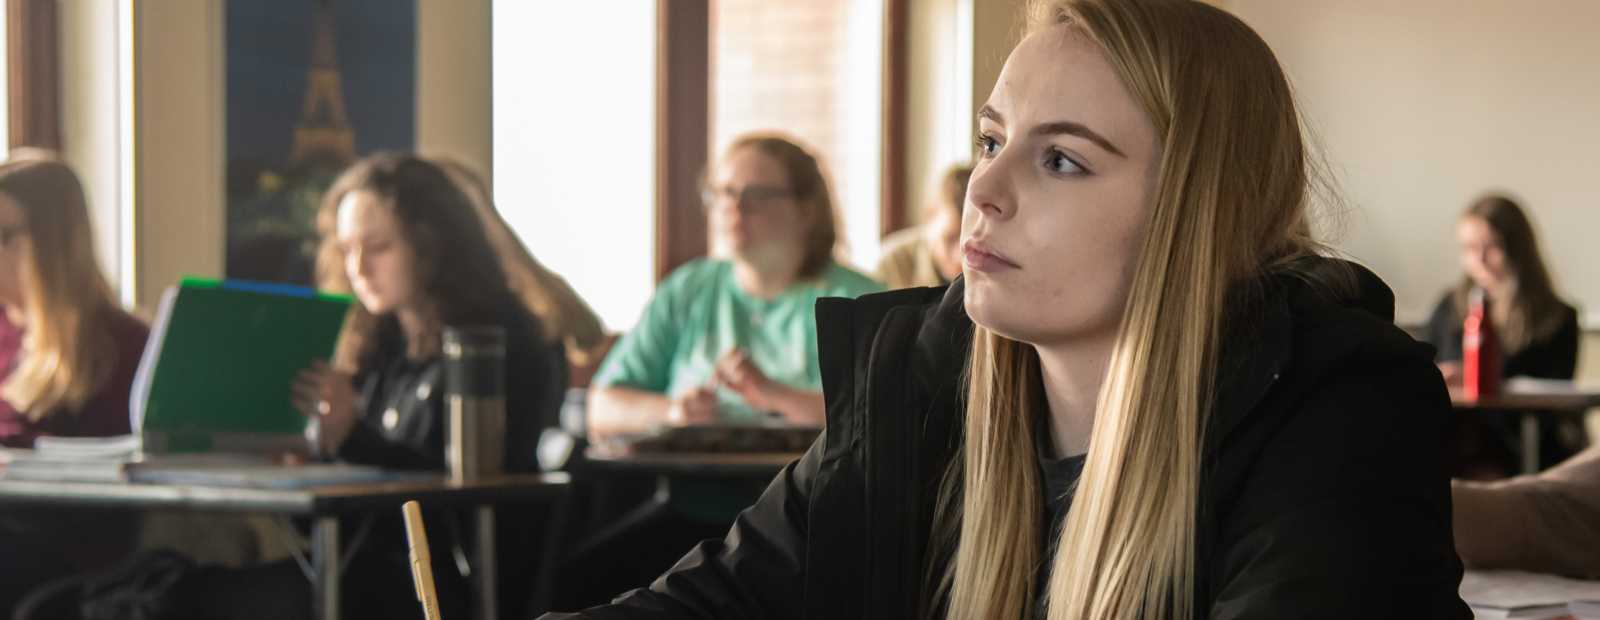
(1585, 609)
(1518, 594)
(75, 459)
(233, 470)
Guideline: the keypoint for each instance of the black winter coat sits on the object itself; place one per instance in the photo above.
(1324, 493)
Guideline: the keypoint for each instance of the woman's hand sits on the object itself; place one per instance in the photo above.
(1452, 373)
(327, 394)
(737, 372)
(696, 406)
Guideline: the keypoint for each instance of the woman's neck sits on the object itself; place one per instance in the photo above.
(411, 326)
(766, 277)
(1072, 374)
(17, 315)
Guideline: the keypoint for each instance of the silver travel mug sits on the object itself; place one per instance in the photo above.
(475, 393)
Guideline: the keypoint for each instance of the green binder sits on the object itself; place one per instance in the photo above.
(222, 355)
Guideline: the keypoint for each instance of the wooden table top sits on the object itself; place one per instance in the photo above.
(333, 499)
(711, 464)
(1522, 394)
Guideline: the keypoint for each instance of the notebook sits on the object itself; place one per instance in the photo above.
(1519, 594)
(221, 357)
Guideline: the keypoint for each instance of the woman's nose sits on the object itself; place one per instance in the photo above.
(990, 191)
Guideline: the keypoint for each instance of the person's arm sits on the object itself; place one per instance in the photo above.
(757, 571)
(1547, 523)
(739, 373)
(1345, 513)
(628, 394)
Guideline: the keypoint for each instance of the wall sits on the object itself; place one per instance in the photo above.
(1425, 104)
(940, 103)
(89, 118)
(454, 92)
(957, 50)
(179, 143)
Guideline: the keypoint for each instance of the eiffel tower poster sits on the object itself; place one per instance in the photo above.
(312, 85)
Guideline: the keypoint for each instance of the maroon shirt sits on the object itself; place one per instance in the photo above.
(106, 413)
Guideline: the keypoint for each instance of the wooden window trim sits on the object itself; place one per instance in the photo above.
(683, 123)
(894, 176)
(33, 73)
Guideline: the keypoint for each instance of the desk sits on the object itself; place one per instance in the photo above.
(706, 464)
(324, 504)
(1527, 397)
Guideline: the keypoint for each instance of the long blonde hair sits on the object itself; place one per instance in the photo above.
(1230, 204)
(67, 352)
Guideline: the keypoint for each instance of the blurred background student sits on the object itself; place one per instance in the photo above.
(1538, 330)
(731, 339)
(68, 353)
(408, 242)
(410, 245)
(929, 254)
(1499, 252)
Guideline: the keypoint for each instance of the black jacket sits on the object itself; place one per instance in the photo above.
(413, 436)
(1325, 491)
(1555, 357)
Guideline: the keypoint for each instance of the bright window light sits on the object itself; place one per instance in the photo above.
(574, 143)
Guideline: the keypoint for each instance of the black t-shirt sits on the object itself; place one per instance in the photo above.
(1060, 484)
(1555, 357)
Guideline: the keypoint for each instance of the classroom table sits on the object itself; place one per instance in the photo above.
(324, 505)
(1527, 398)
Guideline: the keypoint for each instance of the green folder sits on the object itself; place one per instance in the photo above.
(222, 355)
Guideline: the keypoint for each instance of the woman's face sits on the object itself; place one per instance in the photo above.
(754, 214)
(13, 245)
(377, 259)
(1060, 196)
(1482, 254)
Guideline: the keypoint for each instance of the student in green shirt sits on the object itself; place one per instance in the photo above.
(735, 340)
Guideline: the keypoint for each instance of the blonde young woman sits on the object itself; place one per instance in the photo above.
(67, 354)
(1147, 397)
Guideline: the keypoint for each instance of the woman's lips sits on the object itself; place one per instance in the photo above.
(980, 256)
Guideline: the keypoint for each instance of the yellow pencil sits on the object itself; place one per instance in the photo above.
(421, 562)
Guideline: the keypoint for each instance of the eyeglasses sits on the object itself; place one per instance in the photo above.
(746, 199)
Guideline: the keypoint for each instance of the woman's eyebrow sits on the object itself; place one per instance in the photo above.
(1058, 128)
(1076, 129)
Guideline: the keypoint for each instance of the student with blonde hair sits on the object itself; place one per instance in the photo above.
(1149, 396)
(929, 254)
(68, 353)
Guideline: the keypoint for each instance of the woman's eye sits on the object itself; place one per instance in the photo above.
(1060, 163)
(988, 146)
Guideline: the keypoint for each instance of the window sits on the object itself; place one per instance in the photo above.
(814, 70)
(574, 143)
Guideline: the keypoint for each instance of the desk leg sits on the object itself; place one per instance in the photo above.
(325, 556)
(1530, 442)
(487, 569)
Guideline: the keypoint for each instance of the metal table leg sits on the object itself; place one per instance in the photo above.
(325, 556)
(1530, 442)
(486, 573)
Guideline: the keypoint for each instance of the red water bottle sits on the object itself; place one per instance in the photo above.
(1480, 350)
